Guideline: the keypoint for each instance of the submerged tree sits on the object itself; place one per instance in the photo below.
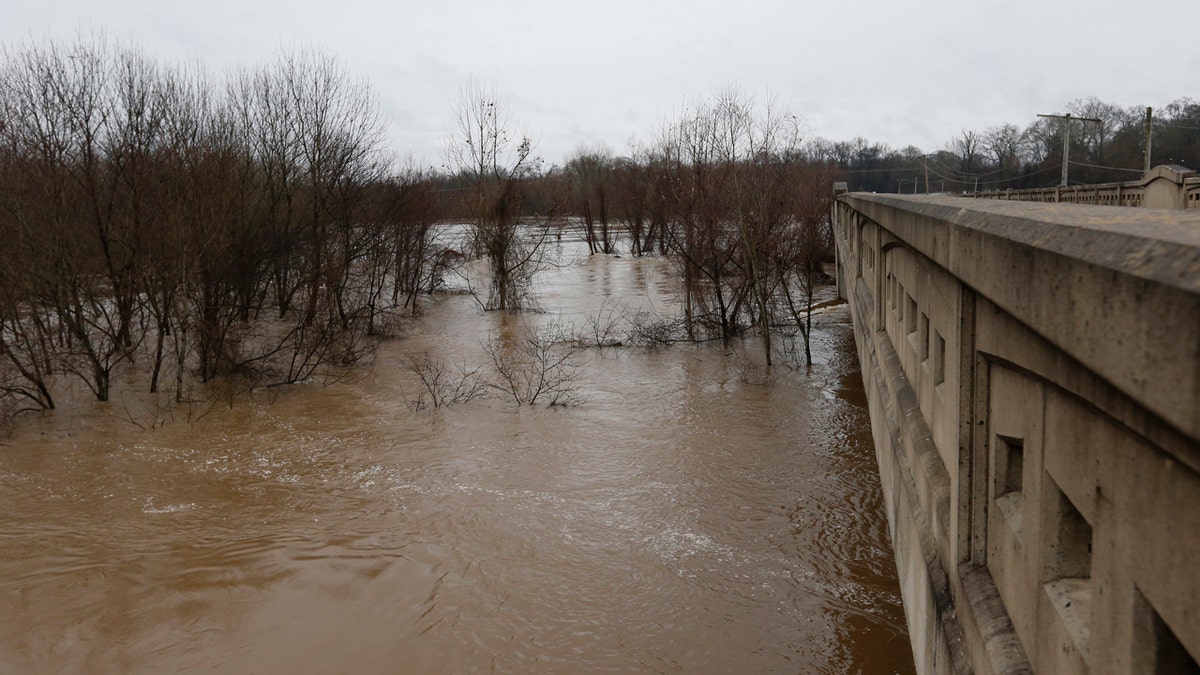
(591, 173)
(149, 218)
(496, 164)
(739, 204)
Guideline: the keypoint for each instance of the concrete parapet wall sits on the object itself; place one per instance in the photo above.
(1033, 372)
(1163, 187)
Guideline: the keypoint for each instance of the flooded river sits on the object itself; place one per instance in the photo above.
(694, 515)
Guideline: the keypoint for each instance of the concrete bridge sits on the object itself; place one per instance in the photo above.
(1033, 371)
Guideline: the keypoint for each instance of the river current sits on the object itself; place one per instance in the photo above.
(696, 513)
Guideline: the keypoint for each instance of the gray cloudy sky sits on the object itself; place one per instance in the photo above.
(610, 72)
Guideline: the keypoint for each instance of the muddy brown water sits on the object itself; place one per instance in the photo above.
(696, 514)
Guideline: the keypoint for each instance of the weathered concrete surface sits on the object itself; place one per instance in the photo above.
(1033, 372)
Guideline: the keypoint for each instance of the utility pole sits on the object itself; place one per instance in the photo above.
(1067, 138)
(1149, 137)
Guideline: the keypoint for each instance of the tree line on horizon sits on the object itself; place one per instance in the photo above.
(1008, 156)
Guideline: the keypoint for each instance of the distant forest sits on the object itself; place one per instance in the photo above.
(998, 158)
(1010, 157)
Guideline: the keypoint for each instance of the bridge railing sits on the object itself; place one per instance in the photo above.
(1163, 187)
(1033, 376)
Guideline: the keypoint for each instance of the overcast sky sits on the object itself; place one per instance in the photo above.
(901, 73)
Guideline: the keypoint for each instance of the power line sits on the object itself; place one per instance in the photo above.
(967, 180)
(882, 170)
(1111, 168)
(1021, 177)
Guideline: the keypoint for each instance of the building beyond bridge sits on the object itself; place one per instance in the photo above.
(1033, 372)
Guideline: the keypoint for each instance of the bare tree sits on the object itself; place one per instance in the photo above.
(444, 384)
(967, 147)
(64, 115)
(698, 229)
(1045, 141)
(1095, 137)
(496, 163)
(1005, 144)
(149, 214)
(536, 366)
(735, 204)
(804, 248)
(634, 189)
(591, 179)
(405, 212)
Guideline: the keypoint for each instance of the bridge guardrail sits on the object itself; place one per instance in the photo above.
(1163, 187)
(1033, 377)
